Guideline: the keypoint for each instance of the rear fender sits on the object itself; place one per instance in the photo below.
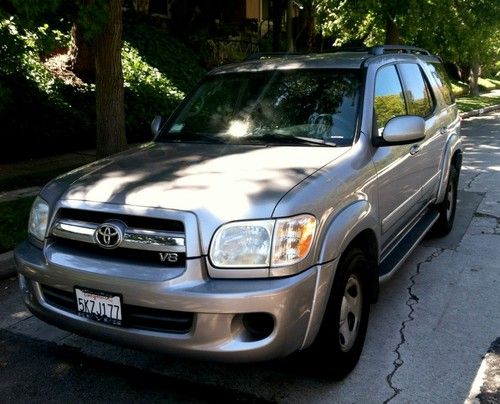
(453, 145)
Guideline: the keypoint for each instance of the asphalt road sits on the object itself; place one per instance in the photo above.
(435, 321)
(39, 371)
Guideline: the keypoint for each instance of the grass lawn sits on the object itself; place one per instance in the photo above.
(14, 217)
(39, 171)
(31, 179)
(466, 104)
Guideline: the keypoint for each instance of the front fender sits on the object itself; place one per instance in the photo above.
(345, 226)
(342, 230)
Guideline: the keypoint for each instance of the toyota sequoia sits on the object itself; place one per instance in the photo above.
(263, 216)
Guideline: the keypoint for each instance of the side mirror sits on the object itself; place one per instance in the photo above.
(156, 125)
(402, 130)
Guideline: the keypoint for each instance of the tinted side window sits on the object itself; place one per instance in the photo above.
(389, 100)
(444, 85)
(417, 91)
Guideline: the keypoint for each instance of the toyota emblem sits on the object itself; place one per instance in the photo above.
(108, 235)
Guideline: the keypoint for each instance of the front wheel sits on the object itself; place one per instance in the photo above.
(448, 207)
(343, 329)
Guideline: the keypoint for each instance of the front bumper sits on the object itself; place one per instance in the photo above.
(295, 303)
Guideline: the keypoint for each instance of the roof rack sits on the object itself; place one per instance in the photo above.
(269, 55)
(375, 50)
(381, 49)
(335, 49)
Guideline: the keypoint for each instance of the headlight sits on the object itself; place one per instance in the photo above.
(263, 243)
(293, 238)
(39, 218)
(243, 244)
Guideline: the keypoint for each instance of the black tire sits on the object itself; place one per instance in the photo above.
(335, 354)
(448, 207)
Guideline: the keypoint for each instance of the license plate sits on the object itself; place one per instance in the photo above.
(99, 306)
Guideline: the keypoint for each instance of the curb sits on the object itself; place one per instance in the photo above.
(485, 385)
(480, 111)
(7, 264)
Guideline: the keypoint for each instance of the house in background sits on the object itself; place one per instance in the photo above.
(229, 29)
(244, 15)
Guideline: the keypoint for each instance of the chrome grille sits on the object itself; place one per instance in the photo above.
(156, 237)
(138, 239)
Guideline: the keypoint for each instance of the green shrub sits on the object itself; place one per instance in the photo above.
(459, 88)
(180, 64)
(158, 71)
(148, 92)
(44, 115)
(40, 113)
(20, 54)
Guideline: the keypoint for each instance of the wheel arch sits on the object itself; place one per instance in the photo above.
(353, 227)
(452, 156)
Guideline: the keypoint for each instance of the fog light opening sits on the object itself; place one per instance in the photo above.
(258, 325)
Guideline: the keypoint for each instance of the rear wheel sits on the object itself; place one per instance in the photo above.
(448, 207)
(343, 329)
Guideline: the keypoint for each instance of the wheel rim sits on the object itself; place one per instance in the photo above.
(449, 201)
(350, 313)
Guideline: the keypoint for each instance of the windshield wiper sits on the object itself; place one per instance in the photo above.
(191, 137)
(315, 141)
(286, 139)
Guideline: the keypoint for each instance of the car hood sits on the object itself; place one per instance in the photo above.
(228, 182)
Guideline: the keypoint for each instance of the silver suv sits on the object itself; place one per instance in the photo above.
(263, 216)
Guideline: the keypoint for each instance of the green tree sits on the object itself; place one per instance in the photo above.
(110, 109)
(465, 32)
(371, 21)
(95, 50)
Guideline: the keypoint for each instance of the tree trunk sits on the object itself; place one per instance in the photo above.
(81, 55)
(305, 36)
(464, 72)
(290, 43)
(141, 6)
(110, 114)
(474, 76)
(277, 18)
(391, 31)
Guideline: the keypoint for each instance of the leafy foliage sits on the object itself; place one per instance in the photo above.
(37, 109)
(148, 93)
(160, 50)
(49, 115)
(158, 71)
(461, 31)
(20, 51)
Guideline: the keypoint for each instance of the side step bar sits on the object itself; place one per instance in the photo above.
(406, 245)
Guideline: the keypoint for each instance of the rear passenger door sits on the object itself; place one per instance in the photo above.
(422, 102)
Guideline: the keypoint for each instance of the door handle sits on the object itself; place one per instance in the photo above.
(414, 149)
(443, 130)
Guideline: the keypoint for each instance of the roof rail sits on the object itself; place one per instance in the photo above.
(335, 49)
(269, 55)
(381, 49)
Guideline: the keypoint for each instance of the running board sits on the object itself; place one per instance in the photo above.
(406, 245)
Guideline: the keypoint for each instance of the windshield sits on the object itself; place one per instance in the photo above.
(311, 107)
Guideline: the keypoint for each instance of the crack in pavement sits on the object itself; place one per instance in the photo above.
(469, 183)
(410, 302)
